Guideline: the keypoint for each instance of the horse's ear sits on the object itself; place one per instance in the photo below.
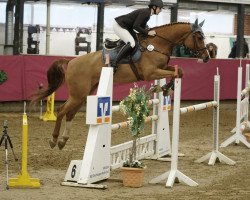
(201, 24)
(196, 22)
(195, 25)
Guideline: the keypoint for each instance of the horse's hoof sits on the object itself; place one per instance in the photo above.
(52, 144)
(168, 92)
(168, 89)
(62, 143)
(155, 89)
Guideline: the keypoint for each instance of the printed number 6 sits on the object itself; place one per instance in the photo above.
(73, 172)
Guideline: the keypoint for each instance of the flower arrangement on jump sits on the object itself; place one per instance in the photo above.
(3, 76)
(135, 106)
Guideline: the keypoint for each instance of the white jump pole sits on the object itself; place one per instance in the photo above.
(174, 175)
(215, 155)
(242, 111)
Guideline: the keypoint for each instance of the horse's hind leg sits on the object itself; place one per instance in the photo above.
(62, 111)
(69, 117)
(56, 132)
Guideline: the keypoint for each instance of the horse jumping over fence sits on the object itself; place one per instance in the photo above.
(82, 73)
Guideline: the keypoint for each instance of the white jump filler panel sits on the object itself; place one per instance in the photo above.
(92, 168)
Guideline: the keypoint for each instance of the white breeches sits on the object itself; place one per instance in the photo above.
(123, 34)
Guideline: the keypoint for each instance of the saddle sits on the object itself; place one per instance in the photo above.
(112, 47)
(111, 44)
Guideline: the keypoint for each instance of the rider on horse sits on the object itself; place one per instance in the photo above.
(126, 27)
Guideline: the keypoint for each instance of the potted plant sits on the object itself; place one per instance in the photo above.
(135, 106)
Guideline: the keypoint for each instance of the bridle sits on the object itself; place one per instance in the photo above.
(197, 51)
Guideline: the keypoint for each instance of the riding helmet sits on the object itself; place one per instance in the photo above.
(157, 3)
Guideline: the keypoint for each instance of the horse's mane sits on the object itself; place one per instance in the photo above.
(167, 25)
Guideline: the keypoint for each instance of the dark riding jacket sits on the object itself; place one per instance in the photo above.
(135, 21)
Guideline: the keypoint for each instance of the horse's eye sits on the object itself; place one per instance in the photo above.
(200, 38)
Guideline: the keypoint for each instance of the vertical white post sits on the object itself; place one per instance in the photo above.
(174, 174)
(238, 136)
(215, 155)
(247, 94)
(176, 124)
(96, 158)
(48, 28)
(216, 112)
(95, 165)
(239, 89)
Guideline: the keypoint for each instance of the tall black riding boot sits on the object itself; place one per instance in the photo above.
(125, 50)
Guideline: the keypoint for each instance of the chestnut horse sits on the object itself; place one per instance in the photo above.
(82, 73)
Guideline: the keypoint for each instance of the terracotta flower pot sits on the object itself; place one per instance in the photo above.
(132, 177)
(247, 135)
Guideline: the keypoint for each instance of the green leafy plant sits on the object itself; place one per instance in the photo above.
(3, 76)
(135, 106)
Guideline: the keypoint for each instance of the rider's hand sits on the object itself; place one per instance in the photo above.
(152, 33)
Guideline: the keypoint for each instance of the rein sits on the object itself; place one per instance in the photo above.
(196, 52)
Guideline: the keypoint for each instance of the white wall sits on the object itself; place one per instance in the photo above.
(218, 25)
(2, 38)
(61, 43)
(222, 42)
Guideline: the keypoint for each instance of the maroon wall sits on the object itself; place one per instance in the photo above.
(26, 72)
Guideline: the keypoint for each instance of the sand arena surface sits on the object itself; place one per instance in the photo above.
(215, 182)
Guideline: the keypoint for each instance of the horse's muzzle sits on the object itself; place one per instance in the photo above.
(206, 59)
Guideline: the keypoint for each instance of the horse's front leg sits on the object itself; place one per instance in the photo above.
(177, 70)
(168, 71)
(159, 74)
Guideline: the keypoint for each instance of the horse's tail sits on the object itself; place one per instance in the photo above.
(55, 77)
